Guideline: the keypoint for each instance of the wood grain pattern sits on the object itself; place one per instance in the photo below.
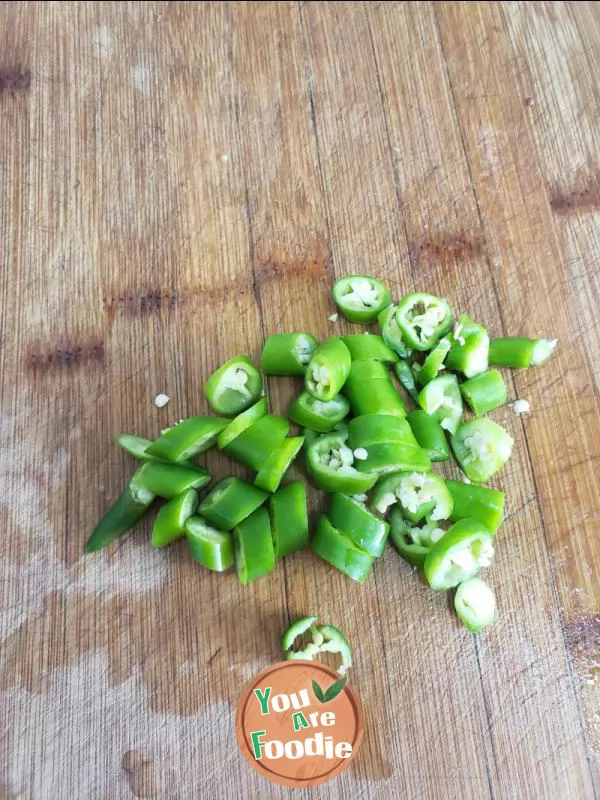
(178, 180)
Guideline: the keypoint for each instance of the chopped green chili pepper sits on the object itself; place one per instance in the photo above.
(519, 351)
(475, 604)
(441, 398)
(253, 547)
(423, 319)
(230, 502)
(434, 362)
(339, 551)
(187, 439)
(242, 421)
(354, 520)
(484, 392)
(170, 480)
(406, 377)
(170, 520)
(328, 369)
(129, 508)
(392, 335)
(324, 639)
(209, 546)
(413, 542)
(370, 390)
(334, 641)
(360, 298)
(418, 494)
(371, 429)
(479, 502)
(318, 415)
(295, 632)
(289, 519)
(369, 346)
(389, 457)
(234, 387)
(330, 463)
(255, 444)
(429, 434)
(287, 353)
(136, 446)
(481, 448)
(470, 349)
(274, 468)
(459, 555)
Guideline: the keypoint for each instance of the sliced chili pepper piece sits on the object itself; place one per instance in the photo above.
(136, 446)
(469, 353)
(369, 346)
(187, 439)
(392, 335)
(209, 546)
(253, 547)
(169, 524)
(434, 362)
(330, 463)
(170, 480)
(294, 632)
(479, 502)
(334, 641)
(287, 353)
(423, 319)
(475, 604)
(370, 390)
(339, 551)
(360, 298)
(242, 421)
(481, 448)
(519, 351)
(441, 398)
(277, 464)
(412, 541)
(461, 552)
(129, 508)
(234, 386)
(354, 520)
(328, 369)
(429, 434)
(484, 392)
(392, 457)
(318, 415)
(289, 519)
(371, 429)
(406, 377)
(230, 502)
(423, 494)
(255, 444)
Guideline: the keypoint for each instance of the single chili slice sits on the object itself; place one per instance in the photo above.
(519, 351)
(332, 640)
(242, 421)
(209, 546)
(423, 319)
(339, 551)
(255, 444)
(230, 502)
(129, 508)
(406, 377)
(354, 520)
(441, 398)
(484, 392)
(318, 415)
(360, 298)
(330, 463)
(392, 335)
(371, 429)
(479, 502)
(292, 642)
(253, 547)
(461, 552)
(187, 439)
(234, 386)
(423, 495)
(136, 446)
(328, 369)
(429, 434)
(481, 448)
(475, 604)
(287, 353)
(370, 390)
(277, 464)
(412, 541)
(469, 353)
(369, 346)
(433, 364)
(170, 480)
(289, 519)
(389, 457)
(169, 524)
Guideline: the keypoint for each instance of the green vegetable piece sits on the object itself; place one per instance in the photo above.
(287, 353)
(234, 387)
(484, 392)
(333, 641)
(241, 422)
(420, 495)
(391, 457)
(253, 547)
(475, 604)
(293, 633)
(318, 415)
(371, 429)
(519, 351)
(434, 362)
(187, 439)
(429, 434)
(289, 519)
(370, 390)
(341, 552)
(230, 502)
(277, 464)
(423, 319)
(255, 444)
(369, 346)
(406, 377)
(328, 369)
(479, 502)
(481, 448)
(392, 335)
(209, 546)
(360, 298)
(352, 519)
(459, 555)
(469, 353)
(413, 541)
(330, 463)
(170, 520)
(171, 480)
(441, 399)
(136, 446)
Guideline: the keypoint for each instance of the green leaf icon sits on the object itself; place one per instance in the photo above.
(335, 688)
(318, 692)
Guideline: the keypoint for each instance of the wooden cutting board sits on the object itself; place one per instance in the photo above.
(177, 181)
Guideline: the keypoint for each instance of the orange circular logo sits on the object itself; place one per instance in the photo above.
(299, 724)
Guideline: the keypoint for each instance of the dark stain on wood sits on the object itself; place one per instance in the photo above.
(143, 301)
(41, 358)
(446, 247)
(584, 196)
(14, 80)
(140, 773)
